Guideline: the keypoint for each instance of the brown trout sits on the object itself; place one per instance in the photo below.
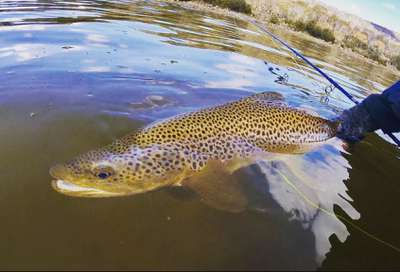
(190, 148)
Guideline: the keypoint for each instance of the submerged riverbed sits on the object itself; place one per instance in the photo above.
(75, 75)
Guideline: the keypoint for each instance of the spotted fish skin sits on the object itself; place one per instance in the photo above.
(160, 153)
(261, 120)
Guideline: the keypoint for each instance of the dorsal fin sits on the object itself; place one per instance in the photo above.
(267, 97)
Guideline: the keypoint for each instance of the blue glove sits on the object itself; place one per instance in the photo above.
(354, 123)
(377, 111)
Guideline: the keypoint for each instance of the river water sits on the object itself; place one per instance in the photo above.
(75, 75)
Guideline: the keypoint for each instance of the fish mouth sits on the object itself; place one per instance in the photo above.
(71, 189)
(63, 186)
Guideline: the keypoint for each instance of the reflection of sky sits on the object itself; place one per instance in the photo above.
(147, 43)
(308, 188)
(144, 47)
(133, 49)
(144, 44)
(242, 76)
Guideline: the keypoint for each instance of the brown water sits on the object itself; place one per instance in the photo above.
(74, 75)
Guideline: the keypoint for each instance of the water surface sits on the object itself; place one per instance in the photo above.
(74, 75)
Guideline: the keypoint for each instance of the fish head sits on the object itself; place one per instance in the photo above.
(105, 173)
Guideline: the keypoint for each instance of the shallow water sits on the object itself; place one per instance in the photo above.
(77, 74)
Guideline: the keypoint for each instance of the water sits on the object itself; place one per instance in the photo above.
(77, 74)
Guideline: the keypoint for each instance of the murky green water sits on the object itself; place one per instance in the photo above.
(74, 75)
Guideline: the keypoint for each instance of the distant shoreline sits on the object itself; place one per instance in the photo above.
(204, 7)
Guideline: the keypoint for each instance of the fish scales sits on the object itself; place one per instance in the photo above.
(256, 119)
(161, 152)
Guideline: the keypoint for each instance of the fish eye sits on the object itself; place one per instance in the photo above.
(103, 172)
(103, 175)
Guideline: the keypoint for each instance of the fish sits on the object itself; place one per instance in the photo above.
(195, 149)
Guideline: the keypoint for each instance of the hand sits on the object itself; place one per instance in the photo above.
(354, 123)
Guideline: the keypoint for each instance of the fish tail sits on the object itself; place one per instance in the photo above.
(333, 127)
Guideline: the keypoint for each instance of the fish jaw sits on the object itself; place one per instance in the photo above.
(63, 184)
(70, 189)
(69, 184)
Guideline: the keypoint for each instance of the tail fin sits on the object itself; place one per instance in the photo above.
(333, 127)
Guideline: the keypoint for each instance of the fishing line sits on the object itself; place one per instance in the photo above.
(336, 216)
(333, 82)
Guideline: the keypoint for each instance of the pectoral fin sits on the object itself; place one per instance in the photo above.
(218, 188)
(237, 163)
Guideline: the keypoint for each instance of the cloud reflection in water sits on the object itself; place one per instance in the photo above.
(307, 187)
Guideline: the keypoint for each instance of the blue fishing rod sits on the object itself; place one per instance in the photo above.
(333, 82)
